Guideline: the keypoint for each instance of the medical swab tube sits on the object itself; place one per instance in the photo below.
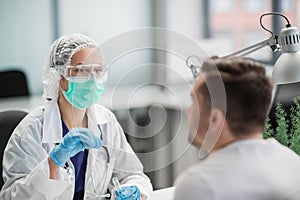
(116, 183)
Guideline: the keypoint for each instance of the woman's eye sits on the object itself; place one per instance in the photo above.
(84, 70)
(98, 70)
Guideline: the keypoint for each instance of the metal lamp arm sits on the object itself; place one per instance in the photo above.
(272, 42)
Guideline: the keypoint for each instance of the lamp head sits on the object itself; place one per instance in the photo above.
(290, 39)
(287, 67)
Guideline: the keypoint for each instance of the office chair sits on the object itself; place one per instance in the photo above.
(8, 121)
(13, 83)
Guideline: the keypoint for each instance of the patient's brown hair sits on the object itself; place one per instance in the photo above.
(248, 92)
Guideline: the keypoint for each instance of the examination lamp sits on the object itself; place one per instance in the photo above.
(287, 67)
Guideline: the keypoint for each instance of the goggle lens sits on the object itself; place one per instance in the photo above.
(81, 73)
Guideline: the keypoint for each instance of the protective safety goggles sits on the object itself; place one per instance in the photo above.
(85, 72)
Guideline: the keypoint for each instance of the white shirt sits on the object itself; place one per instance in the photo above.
(25, 165)
(253, 169)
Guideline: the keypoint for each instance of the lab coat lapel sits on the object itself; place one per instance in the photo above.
(97, 158)
(52, 129)
(95, 120)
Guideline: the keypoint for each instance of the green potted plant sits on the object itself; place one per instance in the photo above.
(287, 130)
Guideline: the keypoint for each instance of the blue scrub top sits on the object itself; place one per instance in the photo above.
(79, 161)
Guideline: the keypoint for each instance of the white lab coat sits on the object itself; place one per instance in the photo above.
(25, 164)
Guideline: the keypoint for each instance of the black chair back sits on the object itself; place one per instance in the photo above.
(13, 83)
(8, 121)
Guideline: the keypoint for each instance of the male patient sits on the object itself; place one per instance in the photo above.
(240, 165)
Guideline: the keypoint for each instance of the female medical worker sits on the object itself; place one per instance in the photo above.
(71, 148)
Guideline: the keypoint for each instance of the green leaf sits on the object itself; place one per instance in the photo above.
(281, 133)
(295, 126)
(268, 130)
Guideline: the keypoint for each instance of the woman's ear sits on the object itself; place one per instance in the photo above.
(63, 83)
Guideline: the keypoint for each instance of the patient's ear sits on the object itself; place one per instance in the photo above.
(217, 119)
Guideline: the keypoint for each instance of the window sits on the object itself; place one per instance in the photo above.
(288, 5)
(241, 24)
(254, 5)
(222, 6)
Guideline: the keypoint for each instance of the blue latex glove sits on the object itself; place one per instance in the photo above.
(74, 141)
(128, 193)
